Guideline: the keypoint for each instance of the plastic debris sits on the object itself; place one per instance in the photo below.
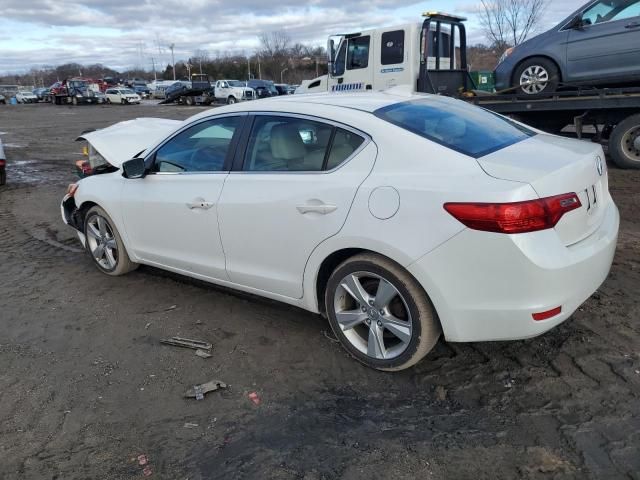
(143, 459)
(190, 425)
(187, 343)
(253, 396)
(146, 471)
(202, 354)
(199, 391)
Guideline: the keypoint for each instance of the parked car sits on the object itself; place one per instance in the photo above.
(41, 93)
(599, 44)
(263, 88)
(3, 100)
(283, 88)
(177, 87)
(396, 216)
(122, 95)
(25, 96)
(142, 90)
(100, 97)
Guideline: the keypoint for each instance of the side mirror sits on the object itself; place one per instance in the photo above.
(134, 168)
(576, 22)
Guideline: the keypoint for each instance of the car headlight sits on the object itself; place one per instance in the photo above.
(79, 95)
(506, 53)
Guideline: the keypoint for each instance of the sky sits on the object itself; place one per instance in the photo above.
(124, 34)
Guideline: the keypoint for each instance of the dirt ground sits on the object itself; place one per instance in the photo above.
(86, 387)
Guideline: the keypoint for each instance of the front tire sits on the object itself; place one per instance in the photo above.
(105, 245)
(536, 76)
(380, 313)
(3, 176)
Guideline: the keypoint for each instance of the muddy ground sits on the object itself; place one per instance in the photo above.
(86, 387)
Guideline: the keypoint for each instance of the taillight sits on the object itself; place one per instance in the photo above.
(3, 163)
(517, 217)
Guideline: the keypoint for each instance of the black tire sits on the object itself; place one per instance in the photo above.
(74, 101)
(3, 176)
(123, 101)
(624, 143)
(189, 101)
(123, 263)
(548, 66)
(231, 100)
(425, 326)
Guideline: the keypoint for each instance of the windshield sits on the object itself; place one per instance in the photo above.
(127, 91)
(455, 124)
(235, 83)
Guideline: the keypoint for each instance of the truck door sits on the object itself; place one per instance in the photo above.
(392, 62)
(353, 67)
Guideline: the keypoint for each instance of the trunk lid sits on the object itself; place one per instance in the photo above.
(554, 166)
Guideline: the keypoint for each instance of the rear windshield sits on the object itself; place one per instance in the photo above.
(455, 124)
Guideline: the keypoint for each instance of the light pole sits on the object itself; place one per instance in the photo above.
(248, 67)
(173, 61)
(281, 73)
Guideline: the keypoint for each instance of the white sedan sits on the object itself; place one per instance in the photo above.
(25, 96)
(122, 95)
(398, 217)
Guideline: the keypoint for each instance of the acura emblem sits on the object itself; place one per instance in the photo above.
(599, 165)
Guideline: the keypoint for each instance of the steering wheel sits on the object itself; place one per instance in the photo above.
(206, 155)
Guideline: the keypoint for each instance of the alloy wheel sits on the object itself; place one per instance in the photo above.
(373, 315)
(534, 79)
(102, 242)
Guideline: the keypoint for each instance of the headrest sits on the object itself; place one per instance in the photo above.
(286, 143)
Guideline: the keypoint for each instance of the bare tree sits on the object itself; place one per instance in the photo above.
(274, 44)
(509, 22)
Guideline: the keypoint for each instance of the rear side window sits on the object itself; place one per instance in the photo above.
(286, 144)
(392, 50)
(454, 124)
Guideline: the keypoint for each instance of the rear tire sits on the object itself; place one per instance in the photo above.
(3, 176)
(624, 143)
(104, 244)
(231, 100)
(536, 76)
(388, 323)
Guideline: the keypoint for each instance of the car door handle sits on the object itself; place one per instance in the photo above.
(322, 209)
(200, 205)
(633, 25)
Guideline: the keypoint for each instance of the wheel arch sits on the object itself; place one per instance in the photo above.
(543, 55)
(331, 262)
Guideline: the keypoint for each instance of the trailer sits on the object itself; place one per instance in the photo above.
(198, 92)
(430, 57)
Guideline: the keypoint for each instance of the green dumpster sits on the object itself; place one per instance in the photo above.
(484, 80)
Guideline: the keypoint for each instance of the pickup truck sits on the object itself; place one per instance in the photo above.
(232, 91)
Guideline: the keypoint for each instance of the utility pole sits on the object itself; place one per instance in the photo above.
(248, 67)
(173, 60)
(259, 69)
(282, 73)
(155, 76)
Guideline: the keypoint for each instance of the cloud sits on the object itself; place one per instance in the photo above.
(127, 33)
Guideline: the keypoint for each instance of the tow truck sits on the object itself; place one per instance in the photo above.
(73, 91)
(431, 57)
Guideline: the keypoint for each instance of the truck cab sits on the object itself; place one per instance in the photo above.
(383, 58)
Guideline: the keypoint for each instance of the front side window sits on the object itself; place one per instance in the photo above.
(455, 124)
(201, 148)
(610, 10)
(392, 51)
(358, 53)
(285, 144)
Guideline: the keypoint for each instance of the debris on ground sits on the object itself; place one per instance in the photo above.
(190, 425)
(253, 396)
(143, 459)
(146, 471)
(187, 343)
(199, 391)
(202, 354)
